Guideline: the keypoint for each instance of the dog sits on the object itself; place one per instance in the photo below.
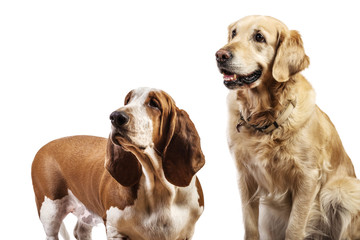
(140, 182)
(295, 178)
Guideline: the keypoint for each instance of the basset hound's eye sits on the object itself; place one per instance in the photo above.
(233, 33)
(127, 98)
(154, 103)
(258, 37)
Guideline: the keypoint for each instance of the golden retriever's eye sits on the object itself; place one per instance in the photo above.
(259, 38)
(233, 33)
(154, 103)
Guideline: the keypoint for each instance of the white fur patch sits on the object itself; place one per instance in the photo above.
(141, 130)
(52, 213)
(165, 221)
(81, 212)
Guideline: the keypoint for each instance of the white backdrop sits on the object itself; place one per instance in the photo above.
(66, 65)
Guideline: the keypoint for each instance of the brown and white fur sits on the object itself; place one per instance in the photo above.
(296, 181)
(147, 190)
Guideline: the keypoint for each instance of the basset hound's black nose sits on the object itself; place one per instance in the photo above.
(119, 118)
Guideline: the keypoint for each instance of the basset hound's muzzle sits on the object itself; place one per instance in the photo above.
(119, 121)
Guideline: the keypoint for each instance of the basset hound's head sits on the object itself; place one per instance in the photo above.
(150, 119)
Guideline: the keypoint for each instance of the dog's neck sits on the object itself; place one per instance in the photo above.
(261, 107)
(269, 128)
(155, 186)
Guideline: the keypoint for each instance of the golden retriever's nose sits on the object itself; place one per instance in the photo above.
(119, 119)
(223, 55)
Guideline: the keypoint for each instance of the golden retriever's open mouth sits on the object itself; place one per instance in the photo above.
(233, 80)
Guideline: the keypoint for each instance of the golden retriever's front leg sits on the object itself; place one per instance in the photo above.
(250, 206)
(303, 199)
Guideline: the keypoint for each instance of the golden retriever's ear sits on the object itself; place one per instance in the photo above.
(182, 156)
(290, 57)
(122, 165)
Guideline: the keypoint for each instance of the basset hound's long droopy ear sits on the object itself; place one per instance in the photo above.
(182, 156)
(290, 57)
(122, 165)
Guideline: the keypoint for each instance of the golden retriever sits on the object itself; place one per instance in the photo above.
(295, 178)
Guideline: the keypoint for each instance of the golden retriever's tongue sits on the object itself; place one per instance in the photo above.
(229, 78)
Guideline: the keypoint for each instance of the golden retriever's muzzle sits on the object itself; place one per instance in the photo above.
(231, 79)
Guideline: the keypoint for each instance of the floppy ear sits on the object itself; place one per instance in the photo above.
(182, 156)
(290, 57)
(122, 165)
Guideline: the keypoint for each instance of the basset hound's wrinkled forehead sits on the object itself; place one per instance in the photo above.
(149, 97)
(143, 116)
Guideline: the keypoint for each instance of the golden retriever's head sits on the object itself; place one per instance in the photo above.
(260, 49)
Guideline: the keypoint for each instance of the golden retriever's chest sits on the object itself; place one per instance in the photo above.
(269, 164)
(270, 178)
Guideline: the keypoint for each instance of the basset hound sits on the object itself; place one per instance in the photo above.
(147, 189)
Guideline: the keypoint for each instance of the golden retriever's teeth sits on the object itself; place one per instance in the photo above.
(229, 77)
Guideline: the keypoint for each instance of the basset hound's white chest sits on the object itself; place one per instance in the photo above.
(175, 221)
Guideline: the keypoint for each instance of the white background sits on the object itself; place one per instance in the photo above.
(66, 65)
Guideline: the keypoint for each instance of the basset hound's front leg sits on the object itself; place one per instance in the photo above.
(113, 234)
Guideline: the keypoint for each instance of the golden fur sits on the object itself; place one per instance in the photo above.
(296, 182)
